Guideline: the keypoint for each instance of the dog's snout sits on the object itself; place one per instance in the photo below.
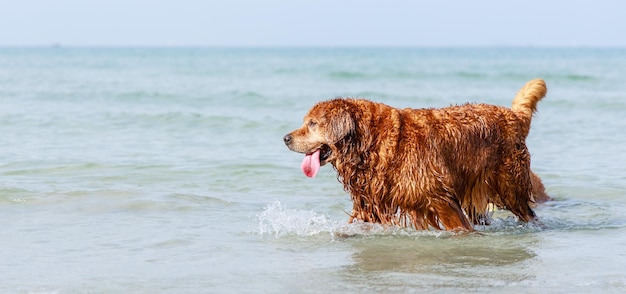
(287, 138)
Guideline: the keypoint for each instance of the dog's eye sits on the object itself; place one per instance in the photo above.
(312, 124)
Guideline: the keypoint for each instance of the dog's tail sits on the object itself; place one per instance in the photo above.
(525, 102)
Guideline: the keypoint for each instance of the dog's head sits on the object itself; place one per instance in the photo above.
(325, 125)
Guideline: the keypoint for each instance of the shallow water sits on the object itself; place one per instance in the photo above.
(163, 170)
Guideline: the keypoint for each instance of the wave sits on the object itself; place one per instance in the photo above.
(445, 75)
(15, 195)
(174, 202)
(29, 168)
(117, 200)
(471, 75)
(141, 95)
(174, 120)
(571, 214)
(383, 73)
(348, 75)
(575, 77)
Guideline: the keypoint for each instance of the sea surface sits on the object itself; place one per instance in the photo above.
(162, 170)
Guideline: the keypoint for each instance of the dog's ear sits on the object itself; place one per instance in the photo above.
(341, 124)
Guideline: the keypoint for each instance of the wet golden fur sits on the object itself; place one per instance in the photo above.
(427, 168)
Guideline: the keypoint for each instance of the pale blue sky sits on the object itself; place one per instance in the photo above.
(312, 23)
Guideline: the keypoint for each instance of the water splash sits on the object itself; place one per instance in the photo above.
(280, 222)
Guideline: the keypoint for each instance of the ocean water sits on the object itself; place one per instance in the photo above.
(162, 170)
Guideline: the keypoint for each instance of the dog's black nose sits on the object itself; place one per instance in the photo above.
(287, 138)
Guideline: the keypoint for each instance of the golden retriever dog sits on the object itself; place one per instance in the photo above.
(435, 168)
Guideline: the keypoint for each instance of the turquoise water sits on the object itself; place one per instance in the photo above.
(163, 170)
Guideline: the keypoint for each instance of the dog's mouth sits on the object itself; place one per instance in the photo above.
(325, 153)
(313, 161)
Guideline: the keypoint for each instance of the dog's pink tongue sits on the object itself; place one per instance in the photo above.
(311, 164)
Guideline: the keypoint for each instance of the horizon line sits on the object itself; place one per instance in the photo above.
(191, 46)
